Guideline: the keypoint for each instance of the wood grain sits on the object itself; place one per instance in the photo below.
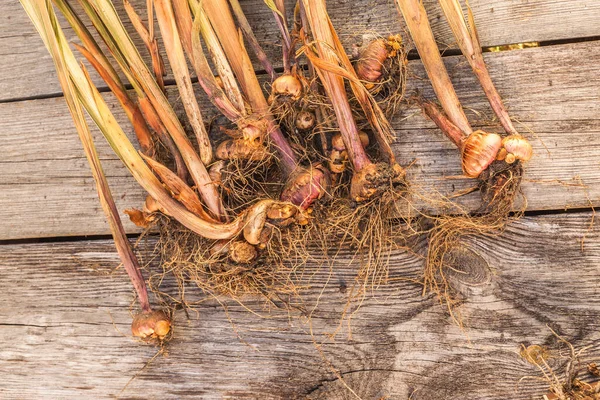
(59, 302)
(24, 59)
(47, 189)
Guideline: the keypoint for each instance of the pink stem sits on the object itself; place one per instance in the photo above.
(483, 75)
(415, 17)
(249, 34)
(446, 126)
(218, 10)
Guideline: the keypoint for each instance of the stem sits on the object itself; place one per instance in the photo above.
(156, 124)
(334, 83)
(184, 20)
(180, 190)
(131, 109)
(190, 29)
(222, 21)
(286, 45)
(481, 71)
(446, 126)
(468, 42)
(320, 111)
(86, 38)
(43, 17)
(416, 19)
(218, 57)
(147, 35)
(104, 16)
(249, 34)
(171, 38)
(343, 67)
(288, 160)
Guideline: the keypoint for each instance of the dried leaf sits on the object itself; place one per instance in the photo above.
(104, 15)
(271, 4)
(172, 41)
(43, 17)
(181, 191)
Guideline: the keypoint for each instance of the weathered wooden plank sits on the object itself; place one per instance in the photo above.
(60, 300)
(24, 58)
(48, 191)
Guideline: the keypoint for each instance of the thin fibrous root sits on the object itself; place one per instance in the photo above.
(499, 186)
(234, 269)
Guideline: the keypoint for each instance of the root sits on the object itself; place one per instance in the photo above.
(242, 182)
(499, 189)
(273, 275)
(569, 387)
(366, 233)
(292, 116)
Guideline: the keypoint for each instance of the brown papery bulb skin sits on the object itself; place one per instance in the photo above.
(242, 252)
(152, 206)
(370, 64)
(305, 121)
(338, 158)
(517, 148)
(287, 86)
(306, 185)
(374, 179)
(283, 211)
(241, 149)
(254, 130)
(479, 150)
(151, 325)
(265, 237)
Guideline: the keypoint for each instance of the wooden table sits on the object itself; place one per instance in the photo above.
(65, 307)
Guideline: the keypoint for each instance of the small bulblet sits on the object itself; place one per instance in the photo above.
(370, 64)
(479, 151)
(337, 142)
(516, 147)
(305, 121)
(338, 156)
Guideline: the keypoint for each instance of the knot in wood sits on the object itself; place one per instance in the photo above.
(464, 267)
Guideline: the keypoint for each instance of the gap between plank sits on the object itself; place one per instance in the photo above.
(86, 238)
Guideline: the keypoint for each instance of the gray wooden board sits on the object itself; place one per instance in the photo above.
(24, 59)
(47, 189)
(64, 321)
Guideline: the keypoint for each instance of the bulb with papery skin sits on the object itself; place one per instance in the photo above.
(306, 185)
(517, 148)
(338, 157)
(479, 150)
(151, 325)
(370, 63)
(242, 252)
(241, 149)
(286, 86)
